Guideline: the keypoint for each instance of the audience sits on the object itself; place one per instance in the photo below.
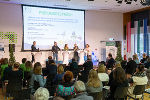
(22, 66)
(119, 80)
(41, 94)
(37, 80)
(3, 66)
(74, 68)
(94, 84)
(139, 78)
(66, 88)
(81, 92)
(144, 59)
(15, 77)
(135, 58)
(147, 65)
(103, 76)
(110, 61)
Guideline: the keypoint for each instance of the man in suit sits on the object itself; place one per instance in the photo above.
(33, 49)
(55, 50)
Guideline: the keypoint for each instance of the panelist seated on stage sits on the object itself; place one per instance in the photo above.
(33, 47)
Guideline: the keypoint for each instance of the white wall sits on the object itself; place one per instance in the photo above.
(99, 26)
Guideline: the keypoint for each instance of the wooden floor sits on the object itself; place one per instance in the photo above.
(146, 96)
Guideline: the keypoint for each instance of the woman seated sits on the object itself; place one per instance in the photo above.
(119, 80)
(66, 87)
(37, 80)
(81, 92)
(94, 84)
(15, 77)
(59, 75)
(103, 76)
(139, 78)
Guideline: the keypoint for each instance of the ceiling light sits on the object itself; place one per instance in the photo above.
(90, 0)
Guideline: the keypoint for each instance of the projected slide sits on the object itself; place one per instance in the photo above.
(46, 25)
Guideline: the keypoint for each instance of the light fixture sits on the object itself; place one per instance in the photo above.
(143, 2)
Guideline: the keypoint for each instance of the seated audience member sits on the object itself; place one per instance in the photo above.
(139, 78)
(41, 94)
(131, 66)
(59, 75)
(74, 68)
(103, 76)
(110, 61)
(116, 65)
(147, 65)
(135, 58)
(119, 80)
(94, 84)
(144, 59)
(15, 77)
(81, 92)
(3, 66)
(50, 60)
(28, 73)
(22, 66)
(37, 80)
(124, 62)
(66, 87)
(7, 70)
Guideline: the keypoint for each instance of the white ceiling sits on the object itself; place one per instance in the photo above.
(101, 5)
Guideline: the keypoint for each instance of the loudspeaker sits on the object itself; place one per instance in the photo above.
(13, 47)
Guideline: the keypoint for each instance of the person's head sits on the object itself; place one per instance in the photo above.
(75, 45)
(117, 64)
(37, 64)
(129, 59)
(66, 45)
(144, 55)
(87, 45)
(135, 57)
(73, 60)
(93, 79)
(101, 69)
(5, 61)
(49, 57)
(51, 62)
(125, 57)
(58, 98)
(60, 69)
(110, 55)
(28, 64)
(68, 77)
(41, 94)
(79, 86)
(34, 42)
(55, 43)
(24, 60)
(119, 75)
(37, 70)
(140, 68)
(16, 65)
(89, 57)
(10, 64)
(102, 62)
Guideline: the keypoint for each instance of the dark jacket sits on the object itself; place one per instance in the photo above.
(131, 67)
(147, 65)
(55, 49)
(51, 69)
(88, 65)
(143, 60)
(33, 48)
(110, 63)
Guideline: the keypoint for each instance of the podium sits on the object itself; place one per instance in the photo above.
(37, 56)
(65, 57)
(81, 56)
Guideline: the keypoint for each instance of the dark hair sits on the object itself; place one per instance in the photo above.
(51, 61)
(141, 67)
(5, 61)
(50, 58)
(119, 75)
(68, 76)
(89, 57)
(28, 64)
(102, 62)
(110, 55)
(37, 64)
(24, 60)
(73, 59)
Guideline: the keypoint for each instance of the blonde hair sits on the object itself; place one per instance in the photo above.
(41, 94)
(117, 64)
(93, 79)
(101, 68)
(60, 69)
(37, 70)
(135, 57)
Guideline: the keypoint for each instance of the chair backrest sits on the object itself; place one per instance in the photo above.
(36, 85)
(139, 89)
(96, 95)
(121, 92)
